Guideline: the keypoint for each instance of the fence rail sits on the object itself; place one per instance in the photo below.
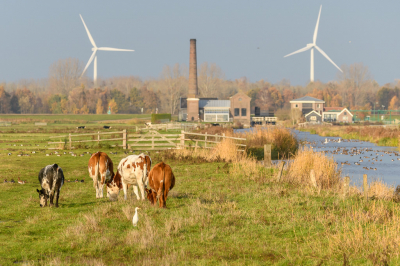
(152, 140)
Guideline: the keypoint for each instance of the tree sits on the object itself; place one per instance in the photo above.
(113, 106)
(357, 79)
(99, 107)
(135, 100)
(173, 80)
(120, 100)
(394, 103)
(84, 110)
(150, 100)
(64, 75)
(209, 79)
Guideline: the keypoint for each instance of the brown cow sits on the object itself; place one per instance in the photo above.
(101, 171)
(161, 181)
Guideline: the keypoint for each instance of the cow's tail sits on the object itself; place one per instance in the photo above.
(162, 184)
(96, 172)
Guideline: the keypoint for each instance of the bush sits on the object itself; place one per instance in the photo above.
(155, 118)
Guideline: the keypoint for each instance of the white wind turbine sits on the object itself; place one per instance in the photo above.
(312, 46)
(95, 49)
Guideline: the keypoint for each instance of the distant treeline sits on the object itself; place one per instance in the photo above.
(64, 92)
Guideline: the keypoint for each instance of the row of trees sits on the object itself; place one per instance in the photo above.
(65, 92)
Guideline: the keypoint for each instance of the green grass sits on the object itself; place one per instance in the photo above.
(61, 118)
(214, 217)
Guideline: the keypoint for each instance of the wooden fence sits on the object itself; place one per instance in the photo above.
(205, 141)
(153, 140)
(170, 126)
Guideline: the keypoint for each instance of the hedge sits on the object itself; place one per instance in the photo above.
(157, 117)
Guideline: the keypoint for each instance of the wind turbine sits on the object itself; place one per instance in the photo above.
(312, 46)
(95, 49)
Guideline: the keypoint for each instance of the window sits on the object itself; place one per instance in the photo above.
(236, 111)
(318, 105)
(307, 105)
(297, 105)
(244, 111)
(345, 113)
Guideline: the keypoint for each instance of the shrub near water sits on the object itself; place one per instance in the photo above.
(327, 174)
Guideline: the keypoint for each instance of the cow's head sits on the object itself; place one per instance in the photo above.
(42, 197)
(151, 196)
(114, 187)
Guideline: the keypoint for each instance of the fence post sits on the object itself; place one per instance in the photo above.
(282, 164)
(98, 137)
(365, 181)
(312, 178)
(205, 141)
(182, 139)
(267, 155)
(124, 139)
(70, 142)
(346, 186)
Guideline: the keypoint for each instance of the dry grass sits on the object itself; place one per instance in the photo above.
(379, 190)
(327, 174)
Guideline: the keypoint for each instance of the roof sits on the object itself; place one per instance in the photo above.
(339, 111)
(311, 113)
(214, 103)
(307, 99)
(330, 109)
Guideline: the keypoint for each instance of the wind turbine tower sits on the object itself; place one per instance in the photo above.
(312, 46)
(94, 56)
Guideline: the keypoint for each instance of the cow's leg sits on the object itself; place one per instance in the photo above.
(125, 187)
(51, 198)
(141, 186)
(101, 187)
(96, 186)
(57, 196)
(135, 189)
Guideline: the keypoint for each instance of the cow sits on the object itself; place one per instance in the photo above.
(101, 170)
(81, 127)
(132, 171)
(106, 127)
(51, 179)
(161, 181)
(148, 124)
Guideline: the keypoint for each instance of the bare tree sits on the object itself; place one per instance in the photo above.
(357, 79)
(174, 84)
(209, 78)
(64, 75)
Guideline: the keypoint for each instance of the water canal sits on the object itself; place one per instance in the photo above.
(357, 157)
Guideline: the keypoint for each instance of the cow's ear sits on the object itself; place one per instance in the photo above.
(38, 191)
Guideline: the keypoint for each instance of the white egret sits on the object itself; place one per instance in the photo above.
(135, 219)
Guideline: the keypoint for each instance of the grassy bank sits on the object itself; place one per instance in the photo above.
(225, 209)
(379, 135)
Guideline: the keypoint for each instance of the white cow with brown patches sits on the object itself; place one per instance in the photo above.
(101, 171)
(134, 170)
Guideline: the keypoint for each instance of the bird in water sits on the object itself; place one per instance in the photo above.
(135, 219)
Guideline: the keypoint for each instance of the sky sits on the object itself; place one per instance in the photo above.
(244, 38)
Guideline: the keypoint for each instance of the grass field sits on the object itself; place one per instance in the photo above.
(218, 214)
(69, 118)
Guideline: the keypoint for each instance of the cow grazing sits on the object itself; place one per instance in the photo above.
(101, 170)
(81, 127)
(133, 171)
(51, 179)
(106, 127)
(161, 181)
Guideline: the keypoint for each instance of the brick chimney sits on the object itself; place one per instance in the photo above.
(193, 100)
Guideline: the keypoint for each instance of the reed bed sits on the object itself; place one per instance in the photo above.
(327, 174)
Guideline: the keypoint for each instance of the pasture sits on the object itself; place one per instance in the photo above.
(218, 214)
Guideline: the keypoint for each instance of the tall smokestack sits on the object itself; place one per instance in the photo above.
(192, 99)
(193, 90)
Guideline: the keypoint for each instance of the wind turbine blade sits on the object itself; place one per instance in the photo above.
(88, 33)
(327, 57)
(316, 27)
(114, 49)
(90, 61)
(299, 51)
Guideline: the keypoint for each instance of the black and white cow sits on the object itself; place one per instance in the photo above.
(81, 127)
(51, 179)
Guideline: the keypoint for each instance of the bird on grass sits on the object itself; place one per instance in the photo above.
(135, 219)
